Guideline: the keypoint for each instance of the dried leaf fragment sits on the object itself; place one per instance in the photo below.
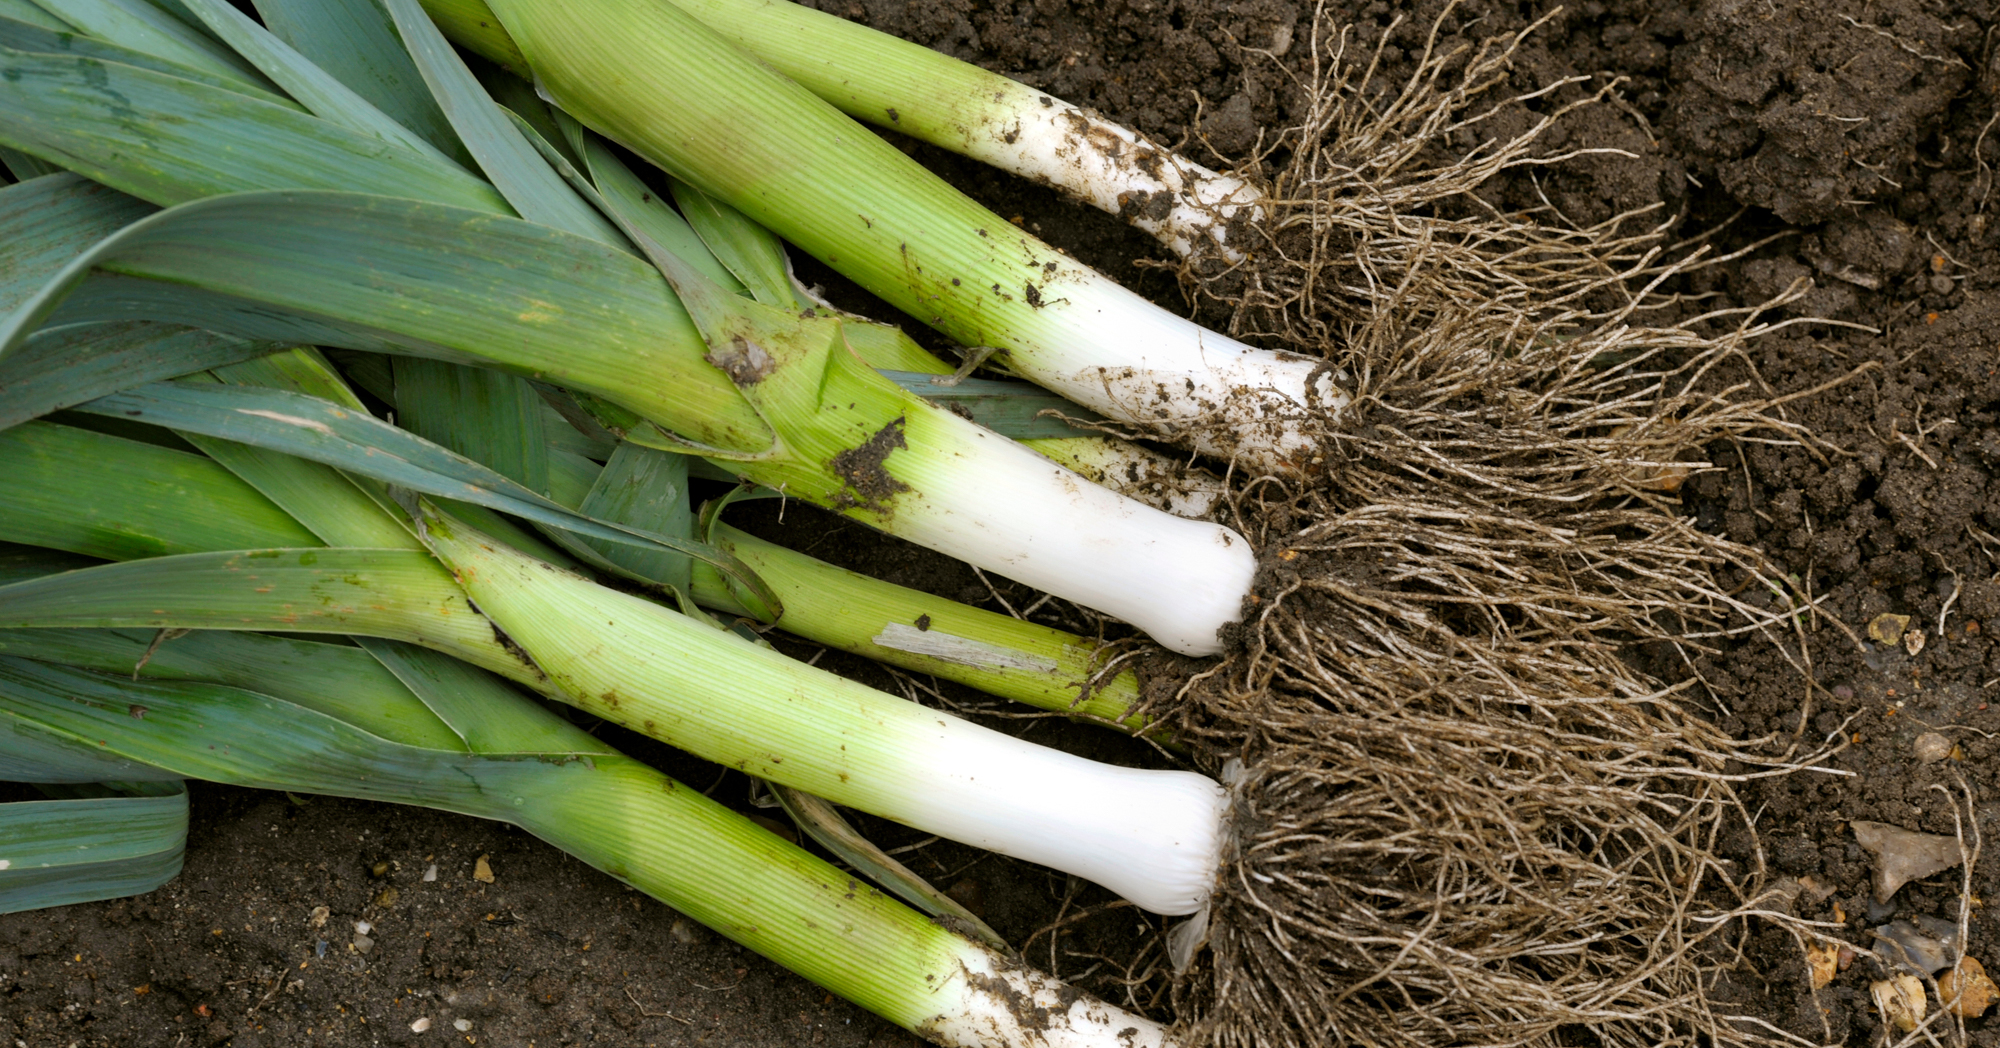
(1901, 1001)
(1887, 629)
(1902, 856)
(1966, 990)
(1823, 960)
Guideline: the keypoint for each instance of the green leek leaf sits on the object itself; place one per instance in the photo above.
(393, 594)
(47, 221)
(174, 140)
(383, 274)
(58, 852)
(140, 26)
(355, 41)
(28, 37)
(488, 416)
(514, 167)
(322, 94)
(166, 502)
(335, 679)
(70, 365)
(321, 431)
(749, 250)
(485, 712)
(26, 11)
(648, 489)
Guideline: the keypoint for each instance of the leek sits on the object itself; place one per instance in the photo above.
(652, 77)
(877, 78)
(376, 739)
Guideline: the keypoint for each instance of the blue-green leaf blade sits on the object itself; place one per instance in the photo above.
(335, 679)
(141, 26)
(536, 192)
(325, 96)
(27, 37)
(174, 140)
(58, 852)
(47, 221)
(355, 41)
(70, 365)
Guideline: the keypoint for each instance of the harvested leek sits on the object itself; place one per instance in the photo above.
(774, 393)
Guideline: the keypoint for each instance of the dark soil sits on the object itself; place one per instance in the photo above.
(1858, 129)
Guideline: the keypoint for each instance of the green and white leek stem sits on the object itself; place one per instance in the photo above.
(655, 79)
(1154, 837)
(877, 78)
(612, 812)
(893, 83)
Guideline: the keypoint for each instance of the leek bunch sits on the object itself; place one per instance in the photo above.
(620, 340)
(668, 355)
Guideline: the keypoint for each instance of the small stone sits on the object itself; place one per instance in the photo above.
(1887, 629)
(1931, 747)
(380, 869)
(319, 916)
(462, 1025)
(363, 927)
(421, 1025)
(431, 874)
(1966, 990)
(362, 943)
(1913, 641)
(1901, 1000)
(481, 871)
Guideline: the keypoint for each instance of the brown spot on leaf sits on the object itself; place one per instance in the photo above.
(745, 362)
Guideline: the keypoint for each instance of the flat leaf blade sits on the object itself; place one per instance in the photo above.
(58, 852)
(162, 502)
(174, 140)
(395, 594)
(343, 682)
(537, 193)
(70, 365)
(356, 42)
(50, 220)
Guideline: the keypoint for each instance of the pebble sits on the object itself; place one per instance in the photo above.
(431, 874)
(1966, 990)
(319, 916)
(1901, 1000)
(481, 871)
(462, 1025)
(422, 1024)
(1932, 747)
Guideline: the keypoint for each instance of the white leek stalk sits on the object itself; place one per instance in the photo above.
(1154, 837)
